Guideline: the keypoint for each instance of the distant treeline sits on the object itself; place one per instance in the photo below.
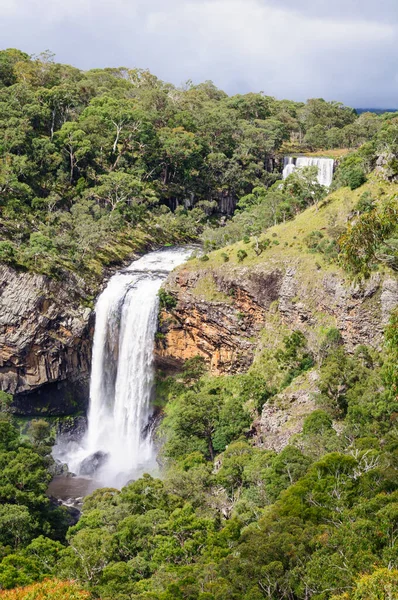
(376, 111)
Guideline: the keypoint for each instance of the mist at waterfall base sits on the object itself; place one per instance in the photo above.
(325, 167)
(118, 445)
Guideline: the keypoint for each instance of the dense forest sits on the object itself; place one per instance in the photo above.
(97, 165)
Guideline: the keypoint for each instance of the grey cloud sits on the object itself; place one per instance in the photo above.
(354, 10)
(345, 50)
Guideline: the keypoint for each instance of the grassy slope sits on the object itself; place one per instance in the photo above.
(336, 153)
(291, 251)
(333, 212)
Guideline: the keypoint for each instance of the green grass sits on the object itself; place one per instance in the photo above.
(295, 150)
(291, 252)
(333, 212)
(206, 289)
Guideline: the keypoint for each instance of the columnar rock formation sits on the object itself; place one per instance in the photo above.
(45, 342)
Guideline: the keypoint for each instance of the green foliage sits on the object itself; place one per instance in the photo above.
(205, 419)
(313, 240)
(371, 238)
(366, 203)
(39, 432)
(166, 300)
(332, 340)
(94, 165)
(194, 368)
(241, 254)
(15, 525)
(353, 177)
(260, 245)
(303, 188)
(97, 164)
(295, 358)
(316, 242)
(230, 519)
(5, 401)
(382, 584)
(317, 422)
(7, 252)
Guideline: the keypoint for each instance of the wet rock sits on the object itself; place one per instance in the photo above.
(74, 513)
(92, 463)
(58, 468)
(72, 429)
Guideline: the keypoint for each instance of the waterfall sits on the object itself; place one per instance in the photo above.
(325, 167)
(116, 447)
(289, 166)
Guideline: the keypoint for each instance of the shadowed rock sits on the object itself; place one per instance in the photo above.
(92, 463)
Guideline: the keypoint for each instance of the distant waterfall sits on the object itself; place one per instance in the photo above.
(116, 447)
(325, 167)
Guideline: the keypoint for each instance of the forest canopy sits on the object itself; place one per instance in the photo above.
(96, 164)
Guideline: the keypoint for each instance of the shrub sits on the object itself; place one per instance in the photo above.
(316, 242)
(312, 239)
(194, 368)
(295, 358)
(365, 203)
(330, 342)
(352, 176)
(318, 422)
(166, 300)
(47, 590)
(260, 246)
(5, 401)
(7, 252)
(241, 254)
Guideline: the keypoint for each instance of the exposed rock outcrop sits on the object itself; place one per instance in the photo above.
(284, 416)
(224, 332)
(222, 319)
(45, 342)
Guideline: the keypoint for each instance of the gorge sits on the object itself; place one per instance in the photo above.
(223, 430)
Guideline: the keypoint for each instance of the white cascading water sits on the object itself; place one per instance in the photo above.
(325, 167)
(122, 373)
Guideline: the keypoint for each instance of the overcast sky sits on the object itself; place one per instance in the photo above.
(339, 49)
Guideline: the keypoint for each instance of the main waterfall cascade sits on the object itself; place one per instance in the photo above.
(122, 375)
(325, 167)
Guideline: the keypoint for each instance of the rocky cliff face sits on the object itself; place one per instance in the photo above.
(234, 315)
(45, 342)
(221, 312)
(223, 330)
(239, 303)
